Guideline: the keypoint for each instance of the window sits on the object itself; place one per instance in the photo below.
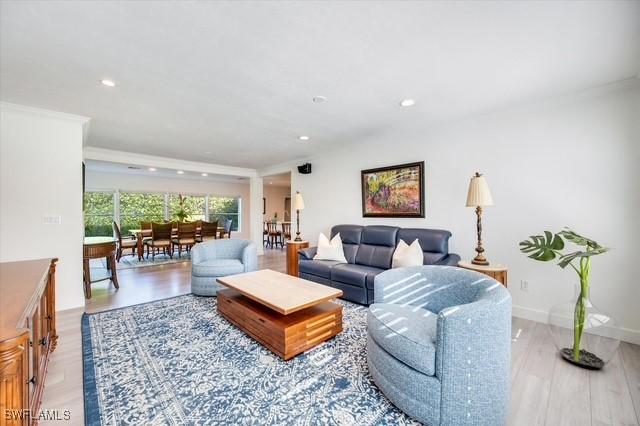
(193, 205)
(138, 206)
(223, 208)
(98, 214)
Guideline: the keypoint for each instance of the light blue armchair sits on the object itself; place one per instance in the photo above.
(439, 344)
(219, 258)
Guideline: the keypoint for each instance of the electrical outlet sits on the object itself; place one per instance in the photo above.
(524, 285)
(51, 220)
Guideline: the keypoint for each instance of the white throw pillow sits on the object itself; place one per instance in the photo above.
(330, 250)
(407, 255)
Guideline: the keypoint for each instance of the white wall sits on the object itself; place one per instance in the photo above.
(566, 162)
(275, 196)
(99, 180)
(41, 175)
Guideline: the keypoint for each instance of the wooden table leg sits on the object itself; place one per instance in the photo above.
(114, 275)
(140, 247)
(87, 278)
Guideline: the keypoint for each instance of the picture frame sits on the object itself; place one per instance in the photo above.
(393, 191)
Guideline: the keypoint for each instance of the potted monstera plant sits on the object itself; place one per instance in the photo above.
(584, 334)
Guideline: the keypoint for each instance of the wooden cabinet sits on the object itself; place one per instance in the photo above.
(293, 247)
(27, 336)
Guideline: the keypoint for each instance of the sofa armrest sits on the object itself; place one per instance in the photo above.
(307, 254)
(250, 257)
(451, 260)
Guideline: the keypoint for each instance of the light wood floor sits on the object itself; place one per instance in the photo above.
(545, 390)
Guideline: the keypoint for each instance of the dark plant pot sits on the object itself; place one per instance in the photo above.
(587, 359)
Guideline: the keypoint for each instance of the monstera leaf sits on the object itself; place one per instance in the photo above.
(542, 247)
(578, 240)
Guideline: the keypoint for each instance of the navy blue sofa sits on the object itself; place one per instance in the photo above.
(369, 251)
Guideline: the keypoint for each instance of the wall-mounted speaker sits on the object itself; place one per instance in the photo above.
(305, 169)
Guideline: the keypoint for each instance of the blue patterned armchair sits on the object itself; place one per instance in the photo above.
(219, 258)
(439, 344)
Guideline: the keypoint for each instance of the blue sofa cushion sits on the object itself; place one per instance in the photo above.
(319, 268)
(431, 240)
(217, 268)
(351, 236)
(430, 258)
(408, 333)
(356, 275)
(377, 246)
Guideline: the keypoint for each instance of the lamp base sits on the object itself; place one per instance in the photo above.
(480, 260)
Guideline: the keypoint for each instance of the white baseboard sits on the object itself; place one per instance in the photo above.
(627, 334)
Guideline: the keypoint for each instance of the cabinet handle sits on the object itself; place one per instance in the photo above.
(32, 380)
(30, 343)
(49, 317)
(43, 341)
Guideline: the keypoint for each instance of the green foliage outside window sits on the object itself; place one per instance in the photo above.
(193, 207)
(223, 208)
(98, 214)
(136, 207)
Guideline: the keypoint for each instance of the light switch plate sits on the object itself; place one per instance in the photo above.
(51, 220)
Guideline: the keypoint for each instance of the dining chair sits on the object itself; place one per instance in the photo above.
(286, 232)
(160, 239)
(273, 234)
(208, 231)
(186, 236)
(227, 229)
(123, 244)
(265, 234)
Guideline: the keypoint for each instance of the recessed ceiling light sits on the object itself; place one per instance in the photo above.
(152, 169)
(109, 83)
(407, 102)
(270, 183)
(180, 172)
(208, 152)
(304, 138)
(204, 174)
(319, 99)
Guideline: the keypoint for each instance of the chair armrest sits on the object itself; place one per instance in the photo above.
(400, 286)
(201, 252)
(451, 260)
(473, 358)
(307, 254)
(250, 258)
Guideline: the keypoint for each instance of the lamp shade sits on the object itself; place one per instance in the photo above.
(479, 194)
(298, 202)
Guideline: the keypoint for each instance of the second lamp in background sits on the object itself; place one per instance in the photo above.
(298, 204)
(479, 196)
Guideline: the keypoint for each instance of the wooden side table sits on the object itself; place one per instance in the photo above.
(293, 247)
(496, 271)
(95, 248)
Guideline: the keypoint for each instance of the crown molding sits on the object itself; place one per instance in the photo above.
(44, 112)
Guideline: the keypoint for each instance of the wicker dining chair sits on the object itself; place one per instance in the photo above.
(160, 239)
(226, 232)
(124, 244)
(208, 231)
(186, 236)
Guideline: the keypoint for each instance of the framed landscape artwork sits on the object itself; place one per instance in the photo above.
(395, 191)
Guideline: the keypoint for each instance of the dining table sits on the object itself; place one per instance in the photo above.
(141, 234)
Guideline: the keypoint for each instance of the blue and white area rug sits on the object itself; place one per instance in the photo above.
(177, 362)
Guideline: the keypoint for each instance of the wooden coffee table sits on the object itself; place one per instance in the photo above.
(286, 314)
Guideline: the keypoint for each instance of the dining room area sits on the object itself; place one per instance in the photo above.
(277, 210)
(139, 218)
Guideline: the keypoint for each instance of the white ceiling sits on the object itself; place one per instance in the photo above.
(280, 179)
(236, 79)
(133, 169)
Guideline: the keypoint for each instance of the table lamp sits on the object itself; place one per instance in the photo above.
(298, 204)
(478, 197)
